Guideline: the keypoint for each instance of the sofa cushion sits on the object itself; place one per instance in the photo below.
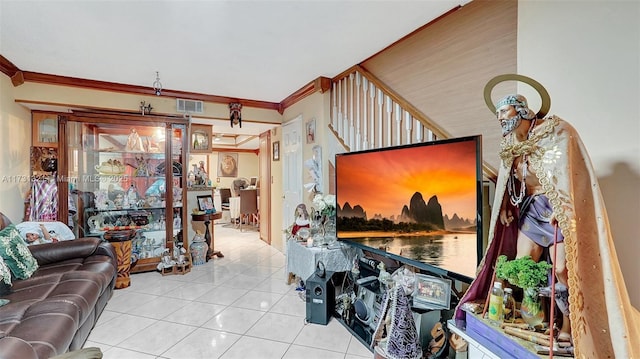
(15, 253)
(47, 310)
(47, 326)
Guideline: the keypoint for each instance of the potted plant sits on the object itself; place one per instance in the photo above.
(530, 276)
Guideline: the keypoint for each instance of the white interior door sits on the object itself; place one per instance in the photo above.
(292, 171)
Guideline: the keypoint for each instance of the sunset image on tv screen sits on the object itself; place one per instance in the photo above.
(401, 198)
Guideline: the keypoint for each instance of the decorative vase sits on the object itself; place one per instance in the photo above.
(531, 308)
(317, 230)
(199, 250)
(330, 229)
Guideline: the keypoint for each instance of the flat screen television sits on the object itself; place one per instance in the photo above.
(419, 204)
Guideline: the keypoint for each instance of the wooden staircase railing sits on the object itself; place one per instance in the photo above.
(366, 114)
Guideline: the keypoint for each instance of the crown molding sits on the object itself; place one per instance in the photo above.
(18, 77)
(321, 84)
(7, 67)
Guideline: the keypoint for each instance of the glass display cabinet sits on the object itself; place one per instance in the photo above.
(127, 174)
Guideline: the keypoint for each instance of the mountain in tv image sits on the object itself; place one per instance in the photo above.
(416, 215)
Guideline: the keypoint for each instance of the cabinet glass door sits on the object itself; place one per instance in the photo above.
(128, 177)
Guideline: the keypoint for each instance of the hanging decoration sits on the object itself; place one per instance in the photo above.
(157, 85)
(235, 114)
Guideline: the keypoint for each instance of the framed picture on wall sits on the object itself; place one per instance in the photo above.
(311, 130)
(200, 138)
(227, 164)
(276, 151)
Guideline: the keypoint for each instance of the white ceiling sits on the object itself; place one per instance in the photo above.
(258, 50)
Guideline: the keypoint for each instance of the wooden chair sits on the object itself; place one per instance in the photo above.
(248, 206)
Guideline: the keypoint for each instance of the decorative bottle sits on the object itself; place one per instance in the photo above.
(509, 308)
(495, 304)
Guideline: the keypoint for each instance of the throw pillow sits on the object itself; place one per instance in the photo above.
(15, 253)
(5, 278)
(33, 232)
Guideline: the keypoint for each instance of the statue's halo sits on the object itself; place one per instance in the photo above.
(544, 95)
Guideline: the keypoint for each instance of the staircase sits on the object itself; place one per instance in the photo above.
(366, 114)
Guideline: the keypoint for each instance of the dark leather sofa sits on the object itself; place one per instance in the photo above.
(54, 311)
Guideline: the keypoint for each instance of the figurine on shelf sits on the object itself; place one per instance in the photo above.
(134, 142)
(167, 261)
(96, 223)
(177, 196)
(132, 196)
(102, 199)
(384, 277)
(179, 253)
(198, 175)
(177, 222)
(141, 167)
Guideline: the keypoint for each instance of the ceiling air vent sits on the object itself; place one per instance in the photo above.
(189, 106)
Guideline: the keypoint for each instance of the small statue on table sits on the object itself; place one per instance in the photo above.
(302, 219)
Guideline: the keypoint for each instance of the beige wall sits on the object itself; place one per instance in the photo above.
(315, 106)
(587, 55)
(15, 137)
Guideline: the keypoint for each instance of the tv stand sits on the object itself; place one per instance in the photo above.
(366, 309)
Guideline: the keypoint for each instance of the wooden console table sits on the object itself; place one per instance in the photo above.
(208, 235)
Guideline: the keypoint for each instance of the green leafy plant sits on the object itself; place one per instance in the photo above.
(523, 272)
(527, 274)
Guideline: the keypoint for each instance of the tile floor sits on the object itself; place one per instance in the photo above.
(233, 307)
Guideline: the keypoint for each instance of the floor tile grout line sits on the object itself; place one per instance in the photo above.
(265, 279)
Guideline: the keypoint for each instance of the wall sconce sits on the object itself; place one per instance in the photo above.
(145, 110)
(157, 86)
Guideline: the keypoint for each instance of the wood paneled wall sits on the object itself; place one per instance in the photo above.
(443, 67)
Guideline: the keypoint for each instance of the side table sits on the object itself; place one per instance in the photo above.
(208, 235)
(121, 242)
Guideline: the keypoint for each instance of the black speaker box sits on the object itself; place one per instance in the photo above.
(320, 297)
